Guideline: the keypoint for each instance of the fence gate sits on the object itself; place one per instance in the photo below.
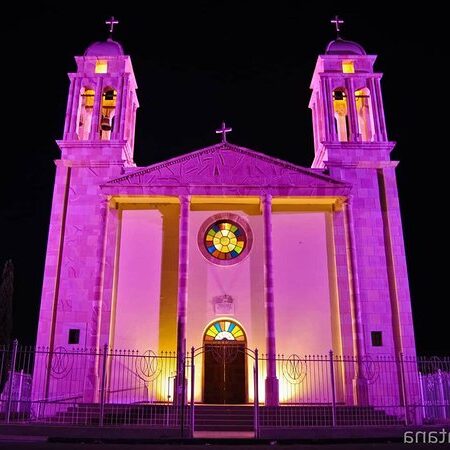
(228, 370)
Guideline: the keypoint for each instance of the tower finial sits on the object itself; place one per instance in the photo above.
(336, 21)
(224, 130)
(111, 22)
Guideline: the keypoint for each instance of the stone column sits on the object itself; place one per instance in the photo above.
(381, 116)
(121, 122)
(375, 110)
(359, 383)
(94, 133)
(119, 110)
(70, 100)
(271, 379)
(182, 294)
(76, 98)
(92, 385)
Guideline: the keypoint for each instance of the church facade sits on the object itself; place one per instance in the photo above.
(227, 244)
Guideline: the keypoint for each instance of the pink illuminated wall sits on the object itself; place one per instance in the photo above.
(303, 313)
(138, 295)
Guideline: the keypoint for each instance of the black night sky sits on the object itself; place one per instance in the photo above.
(249, 63)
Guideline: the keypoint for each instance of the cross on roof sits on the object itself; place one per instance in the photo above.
(224, 130)
(337, 22)
(111, 22)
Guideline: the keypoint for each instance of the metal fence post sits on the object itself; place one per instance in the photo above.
(183, 394)
(256, 395)
(441, 395)
(255, 422)
(403, 388)
(333, 389)
(103, 386)
(11, 379)
(192, 392)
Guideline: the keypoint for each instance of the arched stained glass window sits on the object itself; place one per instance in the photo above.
(224, 330)
(225, 239)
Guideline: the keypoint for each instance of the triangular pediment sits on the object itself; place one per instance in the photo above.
(226, 164)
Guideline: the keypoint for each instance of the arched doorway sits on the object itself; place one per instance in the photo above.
(224, 367)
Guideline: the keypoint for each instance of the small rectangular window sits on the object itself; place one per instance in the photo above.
(74, 336)
(348, 67)
(377, 338)
(101, 66)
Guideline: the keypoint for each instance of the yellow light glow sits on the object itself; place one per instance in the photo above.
(279, 203)
(101, 66)
(207, 199)
(348, 67)
(109, 100)
(304, 200)
(133, 201)
(89, 96)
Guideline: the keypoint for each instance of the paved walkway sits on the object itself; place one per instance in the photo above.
(37, 437)
(224, 434)
(18, 444)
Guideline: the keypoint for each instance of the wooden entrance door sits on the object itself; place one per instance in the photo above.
(224, 373)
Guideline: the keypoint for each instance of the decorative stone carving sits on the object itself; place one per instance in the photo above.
(230, 169)
(223, 305)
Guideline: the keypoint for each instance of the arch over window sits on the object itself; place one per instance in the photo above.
(365, 116)
(85, 110)
(108, 112)
(340, 108)
(224, 330)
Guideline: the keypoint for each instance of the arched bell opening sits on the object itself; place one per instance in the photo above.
(364, 113)
(85, 111)
(108, 112)
(340, 108)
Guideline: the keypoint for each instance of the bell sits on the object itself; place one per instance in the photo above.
(105, 124)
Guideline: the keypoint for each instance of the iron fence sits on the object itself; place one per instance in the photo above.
(105, 387)
(376, 390)
(89, 387)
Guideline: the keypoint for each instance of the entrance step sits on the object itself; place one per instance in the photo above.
(118, 414)
(208, 418)
(224, 417)
(304, 416)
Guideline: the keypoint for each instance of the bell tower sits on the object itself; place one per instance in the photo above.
(101, 107)
(97, 145)
(351, 144)
(346, 102)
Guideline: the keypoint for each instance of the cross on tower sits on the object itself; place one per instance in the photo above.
(224, 130)
(337, 22)
(111, 22)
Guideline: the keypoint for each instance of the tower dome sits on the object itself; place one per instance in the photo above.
(342, 47)
(105, 48)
